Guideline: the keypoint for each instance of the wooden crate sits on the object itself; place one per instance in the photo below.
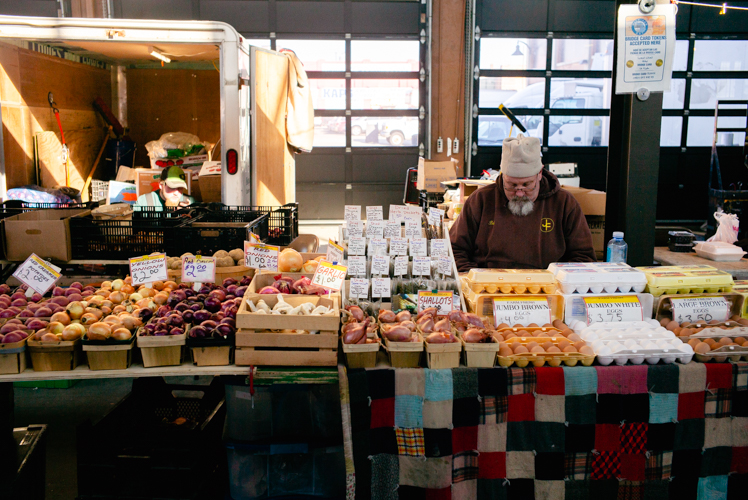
(236, 272)
(54, 356)
(480, 355)
(245, 319)
(441, 356)
(361, 355)
(267, 278)
(404, 354)
(161, 351)
(268, 348)
(219, 355)
(13, 358)
(116, 355)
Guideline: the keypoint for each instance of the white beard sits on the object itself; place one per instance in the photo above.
(521, 206)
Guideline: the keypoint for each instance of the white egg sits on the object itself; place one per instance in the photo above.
(603, 351)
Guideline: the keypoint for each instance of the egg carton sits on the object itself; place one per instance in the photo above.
(551, 359)
(586, 278)
(592, 335)
(718, 333)
(639, 351)
(724, 353)
(579, 326)
(510, 281)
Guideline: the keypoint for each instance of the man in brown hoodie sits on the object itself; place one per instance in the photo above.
(523, 221)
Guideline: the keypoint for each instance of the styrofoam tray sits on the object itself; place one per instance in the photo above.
(598, 278)
(579, 326)
(640, 351)
(719, 251)
(575, 310)
(623, 334)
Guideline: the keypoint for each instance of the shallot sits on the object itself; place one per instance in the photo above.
(440, 338)
(386, 316)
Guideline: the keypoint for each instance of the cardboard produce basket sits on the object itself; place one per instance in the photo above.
(108, 354)
(161, 351)
(442, 356)
(405, 354)
(211, 352)
(63, 355)
(480, 355)
(13, 357)
(361, 355)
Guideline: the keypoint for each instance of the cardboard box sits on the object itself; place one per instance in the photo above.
(186, 161)
(432, 173)
(43, 232)
(593, 207)
(147, 180)
(210, 181)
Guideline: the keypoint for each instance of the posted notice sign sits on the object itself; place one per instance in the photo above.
(646, 47)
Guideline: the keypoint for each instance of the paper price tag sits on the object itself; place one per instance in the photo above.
(359, 288)
(445, 266)
(380, 287)
(259, 256)
(377, 246)
(380, 265)
(435, 216)
(397, 213)
(375, 228)
(356, 265)
(352, 213)
(330, 276)
(700, 309)
(199, 269)
(357, 245)
(413, 211)
(418, 247)
(374, 213)
(613, 309)
(521, 310)
(412, 229)
(334, 252)
(401, 265)
(421, 266)
(355, 228)
(392, 229)
(398, 246)
(439, 248)
(148, 268)
(38, 274)
(442, 301)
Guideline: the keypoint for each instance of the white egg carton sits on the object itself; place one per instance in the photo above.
(598, 277)
(638, 351)
(623, 334)
(579, 326)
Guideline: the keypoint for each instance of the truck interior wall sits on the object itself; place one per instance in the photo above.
(26, 77)
(172, 100)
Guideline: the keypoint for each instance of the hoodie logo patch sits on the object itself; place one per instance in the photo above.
(490, 223)
(546, 225)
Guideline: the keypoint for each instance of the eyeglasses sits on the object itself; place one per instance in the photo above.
(525, 188)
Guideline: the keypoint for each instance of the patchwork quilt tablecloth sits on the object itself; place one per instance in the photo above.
(630, 432)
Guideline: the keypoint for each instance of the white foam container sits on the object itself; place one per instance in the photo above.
(574, 308)
(623, 334)
(598, 277)
(638, 351)
(719, 251)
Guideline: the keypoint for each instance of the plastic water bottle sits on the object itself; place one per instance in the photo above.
(617, 248)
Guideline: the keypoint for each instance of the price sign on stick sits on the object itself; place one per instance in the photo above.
(439, 248)
(392, 229)
(445, 266)
(443, 301)
(352, 212)
(418, 247)
(355, 228)
(259, 256)
(380, 265)
(330, 276)
(375, 229)
(614, 309)
(412, 229)
(421, 266)
(374, 213)
(357, 245)
(359, 288)
(148, 268)
(521, 310)
(377, 246)
(357, 265)
(334, 252)
(38, 274)
(401, 265)
(198, 270)
(380, 287)
(398, 246)
(700, 309)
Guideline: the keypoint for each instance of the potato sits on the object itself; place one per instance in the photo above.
(237, 254)
(221, 253)
(185, 255)
(224, 261)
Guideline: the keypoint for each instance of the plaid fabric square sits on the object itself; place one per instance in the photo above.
(410, 442)
(633, 466)
(663, 408)
(492, 465)
(493, 409)
(438, 385)
(464, 439)
(578, 466)
(718, 375)
(465, 466)
(408, 411)
(718, 403)
(464, 383)
(691, 405)
(550, 380)
(606, 465)
(659, 466)
(630, 490)
(740, 376)
(383, 413)
(521, 381)
(621, 379)
(712, 487)
(580, 380)
(521, 407)
(634, 438)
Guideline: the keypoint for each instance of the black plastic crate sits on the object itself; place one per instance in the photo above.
(47, 206)
(206, 237)
(140, 450)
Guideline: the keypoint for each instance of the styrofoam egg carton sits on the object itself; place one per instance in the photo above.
(579, 326)
(601, 280)
(638, 351)
(622, 334)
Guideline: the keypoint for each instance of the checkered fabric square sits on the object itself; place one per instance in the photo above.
(740, 376)
(606, 464)
(410, 442)
(718, 403)
(630, 490)
(634, 438)
(659, 466)
(464, 466)
(578, 466)
(493, 409)
(521, 381)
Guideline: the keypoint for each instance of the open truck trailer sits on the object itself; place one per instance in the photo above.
(216, 86)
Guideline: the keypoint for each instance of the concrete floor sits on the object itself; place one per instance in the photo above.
(63, 410)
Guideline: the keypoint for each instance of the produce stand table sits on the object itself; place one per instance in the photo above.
(662, 431)
(664, 256)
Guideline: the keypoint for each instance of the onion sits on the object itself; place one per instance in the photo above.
(213, 304)
(231, 289)
(121, 334)
(13, 337)
(106, 311)
(223, 330)
(229, 281)
(181, 307)
(43, 312)
(73, 297)
(230, 296)
(205, 289)
(131, 322)
(63, 301)
(58, 292)
(56, 327)
(60, 317)
(163, 311)
(241, 291)
(175, 298)
(14, 320)
(77, 285)
(310, 266)
(188, 316)
(229, 321)
(7, 313)
(198, 332)
(96, 312)
(196, 306)
(144, 314)
(147, 292)
(18, 295)
(73, 331)
(218, 316)
(19, 303)
(50, 337)
(246, 281)
(176, 331)
(231, 312)
(160, 298)
(202, 315)
(218, 293)
(119, 308)
(135, 297)
(267, 290)
(36, 324)
(28, 313)
(117, 284)
(175, 320)
(4, 289)
(99, 331)
(290, 260)
(12, 327)
(209, 323)
(150, 328)
(89, 319)
(71, 291)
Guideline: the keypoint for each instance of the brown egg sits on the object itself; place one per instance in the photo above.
(664, 322)
(533, 325)
(520, 349)
(578, 345)
(503, 344)
(685, 324)
(694, 342)
(740, 340)
(563, 344)
(558, 324)
(537, 349)
(697, 330)
(553, 348)
(677, 330)
(518, 326)
(672, 325)
(701, 348)
(743, 321)
(546, 345)
(548, 325)
(531, 345)
(717, 345)
(502, 326)
(714, 322)
(574, 337)
(570, 348)
(566, 332)
(730, 324)
(686, 332)
(508, 336)
(745, 344)
(709, 342)
(586, 350)
(505, 351)
(499, 337)
(735, 317)
(523, 333)
(725, 341)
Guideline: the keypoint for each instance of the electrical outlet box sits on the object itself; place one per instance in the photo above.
(456, 146)
(439, 145)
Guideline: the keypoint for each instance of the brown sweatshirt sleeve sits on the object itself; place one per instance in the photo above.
(577, 234)
(463, 234)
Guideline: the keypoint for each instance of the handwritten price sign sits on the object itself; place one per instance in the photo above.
(38, 274)
(199, 269)
(521, 310)
(701, 309)
(329, 276)
(259, 256)
(148, 268)
(443, 301)
(334, 252)
(615, 309)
